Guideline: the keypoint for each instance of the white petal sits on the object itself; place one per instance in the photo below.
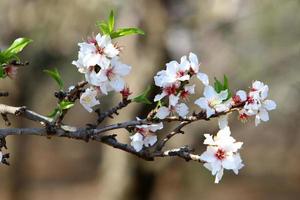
(242, 94)
(173, 100)
(264, 92)
(269, 104)
(208, 140)
(264, 115)
(184, 78)
(219, 176)
(103, 41)
(228, 162)
(120, 68)
(193, 58)
(203, 78)
(155, 127)
(182, 109)
(221, 107)
(257, 120)
(159, 96)
(162, 112)
(150, 140)
(210, 112)
(223, 95)
(257, 85)
(190, 89)
(202, 103)
(111, 51)
(223, 121)
(208, 155)
(209, 92)
(117, 84)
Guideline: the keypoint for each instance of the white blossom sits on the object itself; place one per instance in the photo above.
(88, 99)
(174, 72)
(221, 153)
(145, 136)
(187, 91)
(194, 64)
(223, 121)
(212, 101)
(257, 104)
(169, 90)
(181, 109)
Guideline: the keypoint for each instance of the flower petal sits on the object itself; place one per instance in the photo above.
(269, 104)
(203, 78)
(162, 112)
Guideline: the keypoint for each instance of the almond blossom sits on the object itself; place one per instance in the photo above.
(97, 51)
(221, 153)
(145, 136)
(257, 104)
(88, 99)
(194, 69)
(169, 90)
(212, 101)
(174, 72)
(111, 77)
(181, 109)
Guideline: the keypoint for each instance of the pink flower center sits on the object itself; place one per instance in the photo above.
(142, 131)
(109, 73)
(92, 41)
(125, 92)
(250, 100)
(220, 154)
(243, 116)
(184, 94)
(236, 99)
(170, 90)
(180, 74)
(99, 50)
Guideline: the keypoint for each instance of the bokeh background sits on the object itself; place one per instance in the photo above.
(245, 39)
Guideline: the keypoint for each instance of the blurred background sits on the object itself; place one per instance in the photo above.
(244, 39)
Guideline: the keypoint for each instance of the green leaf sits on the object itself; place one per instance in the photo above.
(111, 21)
(56, 76)
(17, 46)
(65, 105)
(104, 28)
(2, 73)
(126, 31)
(225, 83)
(225, 86)
(142, 98)
(53, 113)
(218, 85)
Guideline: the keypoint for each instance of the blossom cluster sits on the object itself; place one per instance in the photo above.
(99, 61)
(256, 102)
(174, 82)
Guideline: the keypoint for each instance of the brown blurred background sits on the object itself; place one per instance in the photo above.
(245, 39)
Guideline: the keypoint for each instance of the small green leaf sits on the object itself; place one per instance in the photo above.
(225, 84)
(65, 105)
(218, 86)
(126, 31)
(142, 98)
(2, 73)
(56, 76)
(53, 113)
(104, 28)
(17, 46)
(111, 21)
